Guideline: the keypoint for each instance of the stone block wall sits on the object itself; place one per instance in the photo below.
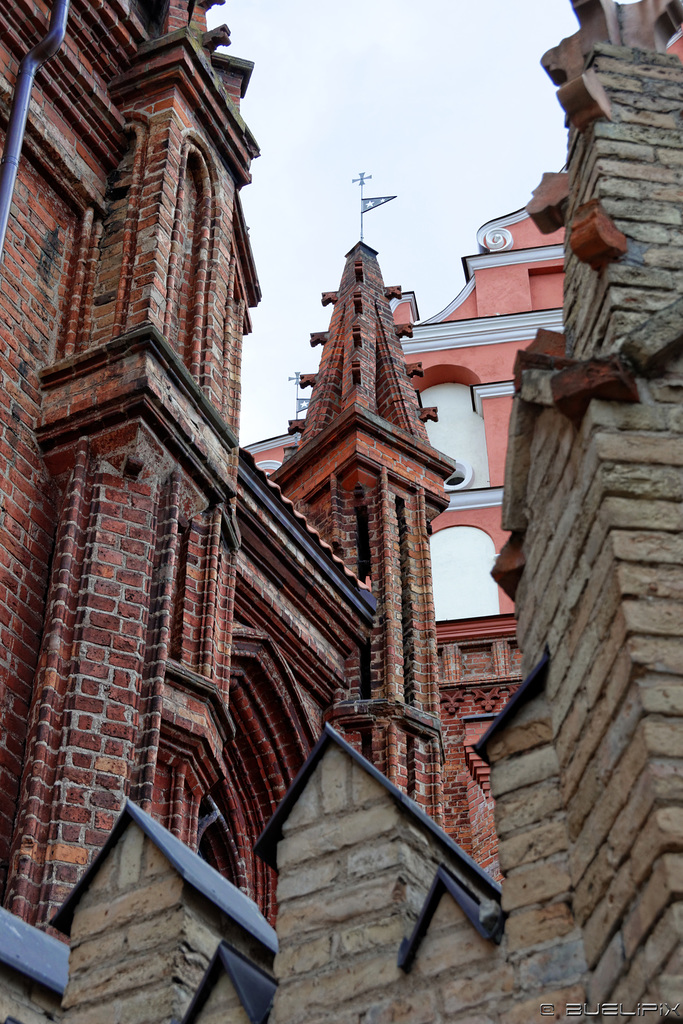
(26, 1001)
(587, 776)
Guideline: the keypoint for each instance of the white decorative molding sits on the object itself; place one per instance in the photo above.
(500, 222)
(457, 301)
(501, 389)
(485, 330)
(269, 465)
(488, 260)
(406, 297)
(486, 497)
(270, 442)
(498, 240)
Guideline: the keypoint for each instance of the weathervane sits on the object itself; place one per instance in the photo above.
(301, 403)
(368, 204)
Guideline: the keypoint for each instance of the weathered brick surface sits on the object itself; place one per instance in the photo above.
(477, 677)
(127, 280)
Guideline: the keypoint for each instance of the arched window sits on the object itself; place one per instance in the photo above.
(462, 559)
(460, 431)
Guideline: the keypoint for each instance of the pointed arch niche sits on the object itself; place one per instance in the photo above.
(462, 559)
(187, 278)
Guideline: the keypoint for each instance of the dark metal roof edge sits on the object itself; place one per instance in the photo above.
(266, 844)
(531, 686)
(63, 919)
(222, 960)
(243, 241)
(228, 954)
(361, 600)
(445, 881)
(36, 973)
(204, 989)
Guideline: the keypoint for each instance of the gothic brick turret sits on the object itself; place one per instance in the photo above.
(365, 473)
(153, 589)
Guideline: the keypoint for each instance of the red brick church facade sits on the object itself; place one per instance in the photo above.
(173, 627)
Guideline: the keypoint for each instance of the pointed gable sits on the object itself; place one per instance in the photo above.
(233, 991)
(145, 921)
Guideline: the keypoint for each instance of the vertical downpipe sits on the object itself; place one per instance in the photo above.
(30, 65)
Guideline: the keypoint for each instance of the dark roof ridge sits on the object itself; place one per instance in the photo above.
(278, 495)
(189, 865)
(266, 845)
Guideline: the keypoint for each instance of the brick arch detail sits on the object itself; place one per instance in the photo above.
(274, 733)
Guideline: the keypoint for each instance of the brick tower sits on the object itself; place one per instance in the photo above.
(365, 473)
(127, 277)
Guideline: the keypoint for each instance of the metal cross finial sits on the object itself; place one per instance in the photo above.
(363, 177)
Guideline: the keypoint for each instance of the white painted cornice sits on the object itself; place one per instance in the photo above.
(270, 442)
(485, 330)
(487, 260)
(512, 257)
(457, 301)
(500, 222)
(488, 497)
(501, 389)
(410, 298)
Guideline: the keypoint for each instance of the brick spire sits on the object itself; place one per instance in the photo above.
(362, 363)
(365, 473)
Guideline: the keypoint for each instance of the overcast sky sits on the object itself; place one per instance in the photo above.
(442, 101)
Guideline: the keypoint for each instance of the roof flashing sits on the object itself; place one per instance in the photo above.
(529, 688)
(32, 953)
(255, 988)
(486, 915)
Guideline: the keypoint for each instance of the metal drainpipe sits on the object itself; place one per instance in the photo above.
(32, 62)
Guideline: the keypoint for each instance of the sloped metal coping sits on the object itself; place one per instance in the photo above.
(531, 687)
(255, 988)
(33, 953)
(361, 600)
(266, 845)
(189, 865)
(489, 920)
